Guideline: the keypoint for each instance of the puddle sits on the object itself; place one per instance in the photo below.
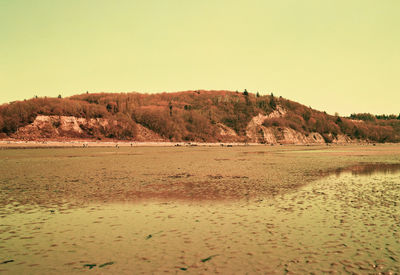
(286, 151)
(348, 222)
(315, 151)
(256, 152)
(370, 169)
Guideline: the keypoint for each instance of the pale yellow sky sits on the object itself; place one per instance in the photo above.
(339, 56)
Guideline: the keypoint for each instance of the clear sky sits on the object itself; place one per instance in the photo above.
(333, 55)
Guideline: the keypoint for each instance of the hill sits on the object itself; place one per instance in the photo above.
(202, 116)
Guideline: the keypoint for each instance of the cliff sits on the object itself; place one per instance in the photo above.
(61, 127)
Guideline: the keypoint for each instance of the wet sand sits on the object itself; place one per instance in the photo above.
(81, 175)
(200, 210)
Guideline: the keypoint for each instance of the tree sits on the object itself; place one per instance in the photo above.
(272, 102)
(59, 96)
(170, 109)
(306, 115)
(258, 94)
(245, 93)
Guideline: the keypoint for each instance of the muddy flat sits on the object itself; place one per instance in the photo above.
(200, 210)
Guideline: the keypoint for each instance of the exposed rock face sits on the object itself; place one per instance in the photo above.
(45, 127)
(315, 138)
(226, 133)
(286, 135)
(342, 139)
(50, 127)
(53, 127)
(257, 132)
(290, 136)
(267, 135)
(145, 134)
(259, 119)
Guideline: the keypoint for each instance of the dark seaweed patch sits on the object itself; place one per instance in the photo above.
(105, 264)
(208, 258)
(7, 261)
(151, 235)
(89, 265)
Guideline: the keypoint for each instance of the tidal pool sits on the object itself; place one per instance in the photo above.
(348, 222)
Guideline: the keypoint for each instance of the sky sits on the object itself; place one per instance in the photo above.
(335, 56)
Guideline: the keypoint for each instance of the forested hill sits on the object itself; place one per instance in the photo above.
(204, 116)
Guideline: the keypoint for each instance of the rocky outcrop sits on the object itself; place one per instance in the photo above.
(339, 139)
(55, 127)
(257, 132)
(51, 127)
(266, 135)
(260, 118)
(226, 133)
(290, 136)
(145, 134)
(286, 135)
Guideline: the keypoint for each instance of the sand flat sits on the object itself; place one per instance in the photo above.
(250, 209)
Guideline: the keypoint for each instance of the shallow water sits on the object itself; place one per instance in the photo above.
(347, 222)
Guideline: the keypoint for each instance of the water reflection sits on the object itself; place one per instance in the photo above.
(370, 169)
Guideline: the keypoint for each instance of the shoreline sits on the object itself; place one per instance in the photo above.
(31, 144)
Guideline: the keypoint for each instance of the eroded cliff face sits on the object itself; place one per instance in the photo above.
(54, 127)
(257, 132)
(342, 139)
(226, 133)
(58, 127)
(145, 134)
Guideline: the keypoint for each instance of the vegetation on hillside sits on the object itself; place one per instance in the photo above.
(195, 115)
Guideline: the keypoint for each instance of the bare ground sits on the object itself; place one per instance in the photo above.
(53, 176)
